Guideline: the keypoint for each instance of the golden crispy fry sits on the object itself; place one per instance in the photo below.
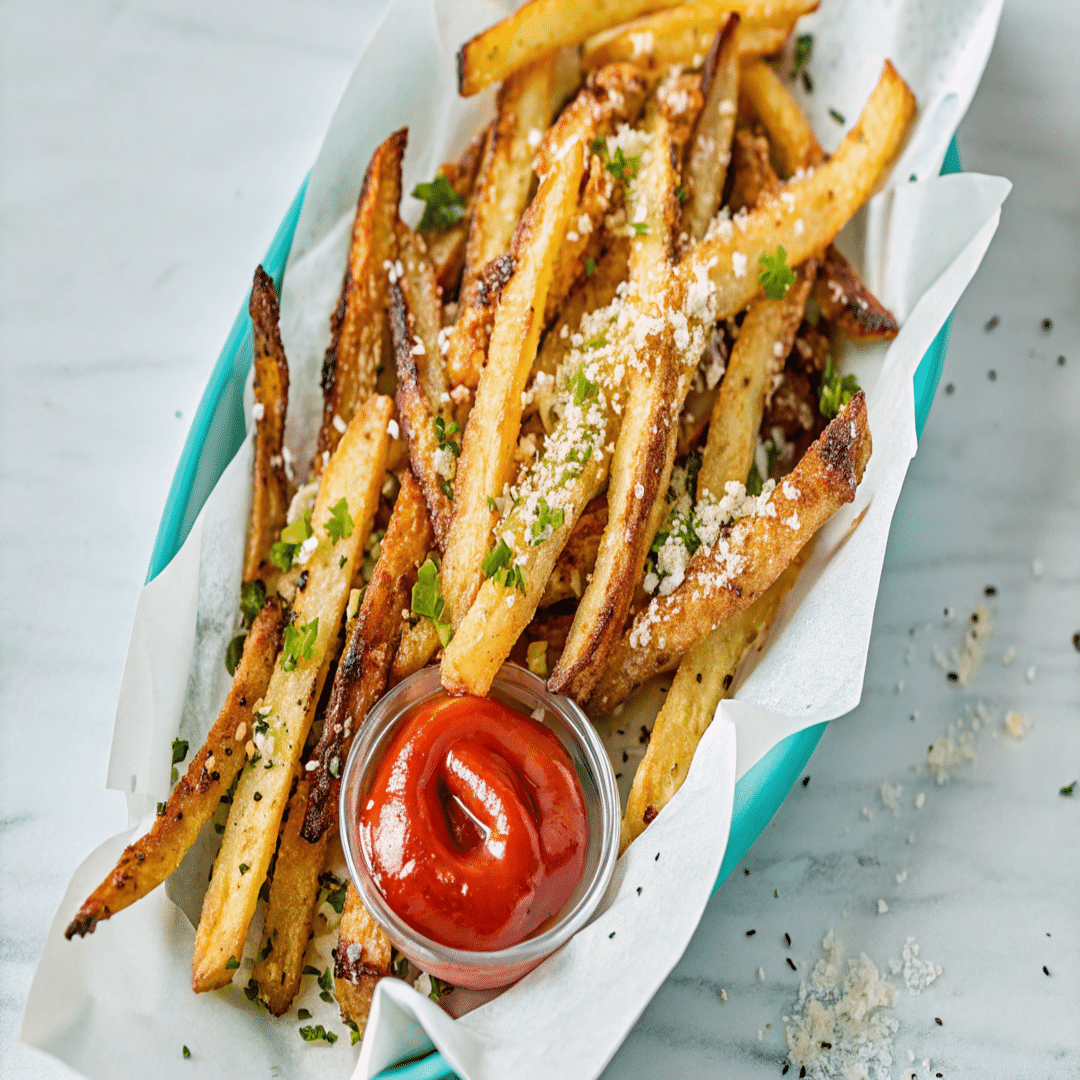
(358, 326)
(418, 645)
(793, 140)
(542, 25)
(447, 249)
(364, 665)
(361, 958)
(354, 473)
(766, 337)
(522, 113)
(683, 35)
(641, 465)
(294, 895)
(467, 343)
(704, 677)
(710, 147)
(576, 561)
(421, 294)
(418, 422)
(270, 486)
(748, 557)
(812, 210)
(147, 862)
(487, 455)
(848, 304)
(752, 173)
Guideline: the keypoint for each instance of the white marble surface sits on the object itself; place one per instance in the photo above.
(148, 152)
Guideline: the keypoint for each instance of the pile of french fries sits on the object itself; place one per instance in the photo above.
(609, 428)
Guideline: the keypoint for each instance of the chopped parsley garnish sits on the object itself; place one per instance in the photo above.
(443, 206)
(597, 341)
(265, 951)
(445, 433)
(326, 985)
(581, 386)
(374, 551)
(244, 868)
(318, 1032)
(447, 488)
(495, 559)
(776, 277)
(233, 651)
(352, 1026)
(547, 521)
(838, 117)
(186, 1052)
(299, 644)
(399, 965)
(836, 390)
(427, 599)
(804, 45)
(252, 598)
(680, 194)
(232, 964)
(438, 988)
(251, 992)
(303, 1014)
(808, 83)
(160, 809)
(310, 970)
(755, 482)
(590, 266)
(598, 145)
(179, 752)
(493, 506)
(292, 536)
(335, 891)
(339, 525)
(641, 228)
(1068, 789)
(622, 167)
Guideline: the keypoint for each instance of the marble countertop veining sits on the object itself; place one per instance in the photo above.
(149, 150)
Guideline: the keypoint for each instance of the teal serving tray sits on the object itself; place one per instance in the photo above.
(218, 430)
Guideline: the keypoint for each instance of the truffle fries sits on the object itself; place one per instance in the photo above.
(358, 329)
(745, 558)
(350, 486)
(361, 959)
(270, 486)
(147, 862)
(486, 463)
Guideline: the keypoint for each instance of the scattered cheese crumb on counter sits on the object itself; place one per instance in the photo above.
(1015, 725)
(918, 974)
(890, 796)
(882, 907)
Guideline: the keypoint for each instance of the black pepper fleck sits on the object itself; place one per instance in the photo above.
(949, 388)
(746, 870)
(990, 590)
(625, 757)
(991, 374)
(991, 323)
(639, 890)
(1046, 970)
(791, 963)
(699, 676)
(243, 700)
(952, 677)
(783, 1071)
(657, 859)
(727, 681)
(787, 938)
(826, 1045)
(1061, 361)
(750, 933)
(257, 796)
(1076, 641)
(802, 1072)
(937, 1020)
(805, 781)
(1047, 325)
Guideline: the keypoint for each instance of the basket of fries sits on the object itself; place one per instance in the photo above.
(602, 395)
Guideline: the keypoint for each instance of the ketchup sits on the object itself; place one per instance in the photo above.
(475, 827)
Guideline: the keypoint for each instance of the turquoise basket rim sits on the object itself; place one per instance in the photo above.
(217, 432)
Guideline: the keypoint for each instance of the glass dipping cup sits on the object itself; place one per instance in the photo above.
(524, 692)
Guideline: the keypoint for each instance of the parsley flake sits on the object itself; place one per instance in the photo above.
(443, 208)
(284, 551)
(233, 651)
(232, 964)
(836, 390)
(179, 750)
(252, 598)
(299, 644)
(776, 277)
(580, 385)
(318, 1033)
(1068, 789)
(352, 1026)
(804, 45)
(336, 897)
(680, 194)
(547, 521)
(838, 117)
(496, 565)
(303, 1014)
(186, 1052)
(641, 228)
(590, 266)
(251, 992)
(339, 525)
(427, 599)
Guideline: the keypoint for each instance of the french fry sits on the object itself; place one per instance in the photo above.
(358, 325)
(354, 474)
(418, 422)
(290, 910)
(486, 462)
(364, 665)
(641, 465)
(747, 558)
(542, 25)
(361, 958)
(576, 561)
(812, 210)
(710, 146)
(467, 343)
(522, 114)
(270, 485)
(704, 678)
(846, 302)
(752, 177)
(446, 248)
(147, 862)
(418, 645)
(793, 140)
(420, 290)
(765, 339)
(683, 35)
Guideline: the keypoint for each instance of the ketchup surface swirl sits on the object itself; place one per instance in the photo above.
(475, 827)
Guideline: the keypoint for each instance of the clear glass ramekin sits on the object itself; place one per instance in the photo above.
(525, 692)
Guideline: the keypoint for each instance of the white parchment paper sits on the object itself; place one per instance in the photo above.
(118, 1004)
